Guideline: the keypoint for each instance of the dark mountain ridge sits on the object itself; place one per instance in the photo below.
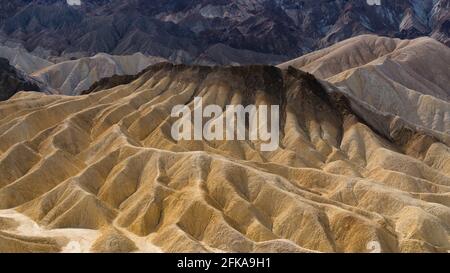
(12, 81)
(190, 31)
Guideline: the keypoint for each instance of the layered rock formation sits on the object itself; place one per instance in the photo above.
(75, 76)
(106, 165)
(406, 79)
(245, 31)
(23, 60)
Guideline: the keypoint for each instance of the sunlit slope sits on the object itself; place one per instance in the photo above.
(23, 60)
(406, 78)
(75, 76)
(104, 166)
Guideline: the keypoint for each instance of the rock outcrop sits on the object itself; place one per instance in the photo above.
(107, 162)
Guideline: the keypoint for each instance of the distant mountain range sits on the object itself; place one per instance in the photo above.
(72, 77)
(23, 60)
(75, 76)
(212, 31)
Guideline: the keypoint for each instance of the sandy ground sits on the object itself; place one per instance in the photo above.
(80, 240)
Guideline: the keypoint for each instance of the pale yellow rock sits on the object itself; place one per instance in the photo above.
(103, 170)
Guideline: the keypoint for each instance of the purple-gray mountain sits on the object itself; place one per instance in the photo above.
(213, 31)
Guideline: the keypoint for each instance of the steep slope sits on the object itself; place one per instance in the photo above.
(106, 163)
(74, 77)
(406, 78)
(13, 81)
(440, 20)
(220, 54)
(190, 31)
(23, 60)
